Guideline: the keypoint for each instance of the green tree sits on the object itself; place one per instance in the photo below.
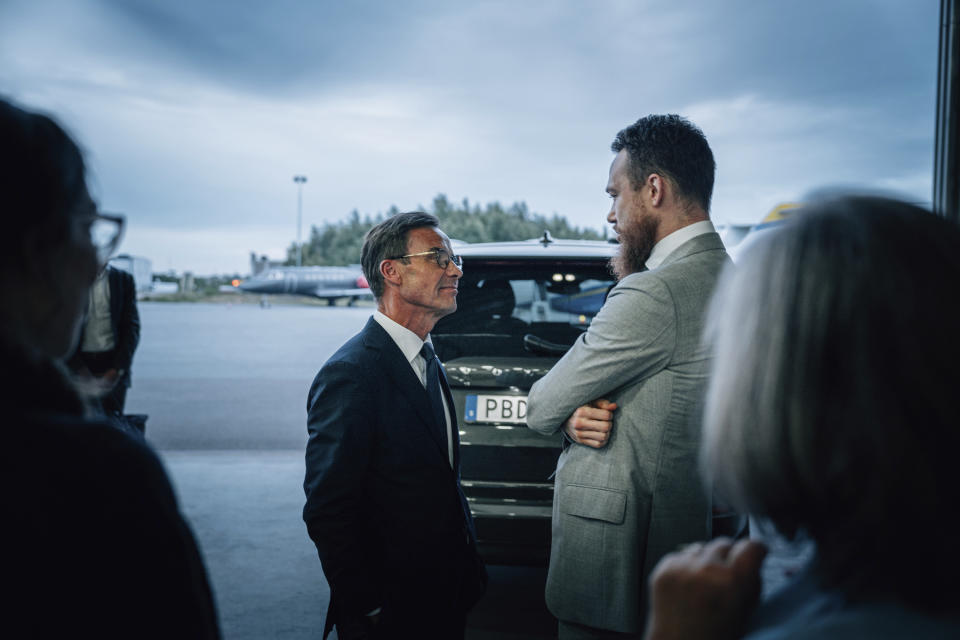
(339, 243)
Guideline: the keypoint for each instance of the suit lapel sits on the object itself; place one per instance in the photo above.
(454, 427)
(116, 306)
(400, 374)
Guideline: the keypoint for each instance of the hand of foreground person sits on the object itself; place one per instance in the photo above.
(95, 386)
(705, 591)
(591, 424)
(106, 381)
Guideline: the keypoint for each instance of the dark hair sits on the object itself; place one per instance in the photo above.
(671, 146)
(389, 239)
(831, 406)
(42, 174)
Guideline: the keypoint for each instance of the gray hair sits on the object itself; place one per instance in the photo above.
(831, 403)
(387, 240)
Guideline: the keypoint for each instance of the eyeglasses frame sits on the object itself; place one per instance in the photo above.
(456, 259)
(105, 252)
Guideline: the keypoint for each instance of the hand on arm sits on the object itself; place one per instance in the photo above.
(610, 355)
(591, 424)
(705, 591)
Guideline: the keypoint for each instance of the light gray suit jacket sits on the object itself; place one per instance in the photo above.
(618, 510)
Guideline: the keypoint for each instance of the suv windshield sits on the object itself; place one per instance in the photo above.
(519, 308)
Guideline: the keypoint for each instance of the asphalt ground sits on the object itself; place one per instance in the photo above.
(244, 507)
(232, 377)
(225, 389)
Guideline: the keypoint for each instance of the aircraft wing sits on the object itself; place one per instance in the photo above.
(342, 293)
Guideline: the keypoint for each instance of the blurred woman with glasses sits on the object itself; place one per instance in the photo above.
(93, 541)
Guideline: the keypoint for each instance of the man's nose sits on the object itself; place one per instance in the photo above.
(457, 271)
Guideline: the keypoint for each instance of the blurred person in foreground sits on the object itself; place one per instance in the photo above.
(384, 504)
(626, 393)
(93, 542)
(831, 411)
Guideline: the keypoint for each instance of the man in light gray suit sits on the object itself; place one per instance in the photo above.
(626, 394)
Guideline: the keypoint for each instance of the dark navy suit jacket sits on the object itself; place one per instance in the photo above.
(384, 507)
(124, 321)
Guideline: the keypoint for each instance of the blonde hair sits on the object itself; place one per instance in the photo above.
(830, 407)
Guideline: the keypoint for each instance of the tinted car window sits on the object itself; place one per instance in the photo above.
(519, 308)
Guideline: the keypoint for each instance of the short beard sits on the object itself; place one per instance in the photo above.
(636, 243)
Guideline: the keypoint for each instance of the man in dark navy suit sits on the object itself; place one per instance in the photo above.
(384, 504)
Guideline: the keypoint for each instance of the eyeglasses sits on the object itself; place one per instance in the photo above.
(440, 255)
(105, 230)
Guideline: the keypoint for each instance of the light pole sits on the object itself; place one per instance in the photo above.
(299, 180)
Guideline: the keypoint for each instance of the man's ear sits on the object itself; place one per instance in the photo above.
(656, 187)
(390, 273)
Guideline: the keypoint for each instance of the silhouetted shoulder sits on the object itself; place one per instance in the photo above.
(99, 536)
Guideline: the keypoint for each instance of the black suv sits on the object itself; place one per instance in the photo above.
(521, 305)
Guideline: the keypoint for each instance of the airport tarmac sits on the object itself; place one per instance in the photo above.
(225, 387)
(244, 507)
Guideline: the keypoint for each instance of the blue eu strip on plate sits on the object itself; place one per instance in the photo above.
(471, 408)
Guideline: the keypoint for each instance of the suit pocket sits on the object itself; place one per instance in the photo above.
(596, 503)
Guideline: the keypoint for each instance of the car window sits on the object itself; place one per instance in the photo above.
(502, 307)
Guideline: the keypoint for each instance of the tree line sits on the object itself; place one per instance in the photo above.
(338, 243)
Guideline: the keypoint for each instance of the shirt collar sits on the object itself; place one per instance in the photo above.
(409, 342)
(670, 243)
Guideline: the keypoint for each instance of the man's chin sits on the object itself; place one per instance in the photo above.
(450, 297)
(443, 313)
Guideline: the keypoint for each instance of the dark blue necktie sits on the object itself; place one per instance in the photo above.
(433, 391)
(436, 403)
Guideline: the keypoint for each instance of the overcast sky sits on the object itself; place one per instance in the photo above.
(195, 116)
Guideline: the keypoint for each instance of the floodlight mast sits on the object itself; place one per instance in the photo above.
(299, 180)
(946, 160)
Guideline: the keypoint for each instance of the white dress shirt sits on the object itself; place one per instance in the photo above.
(98, 330)
(410, 344)
(669, 243)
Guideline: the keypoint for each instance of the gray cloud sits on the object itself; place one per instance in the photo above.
(196, 114)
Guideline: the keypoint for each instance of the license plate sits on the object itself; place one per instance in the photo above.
(508, 409)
